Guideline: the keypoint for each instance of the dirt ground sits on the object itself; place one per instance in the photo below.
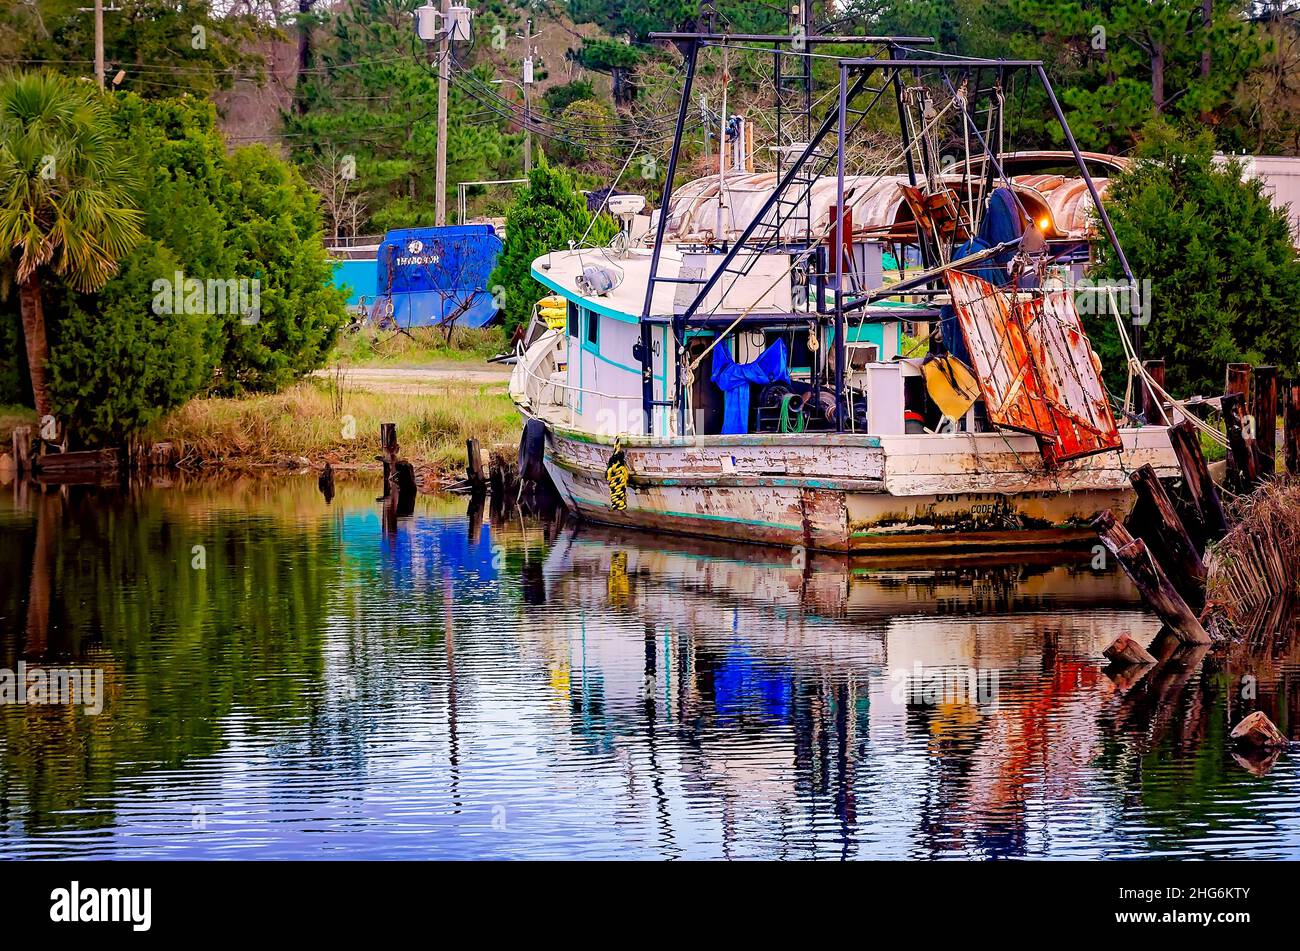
(421, 380)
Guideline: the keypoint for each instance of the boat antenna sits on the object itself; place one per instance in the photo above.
(605, 201)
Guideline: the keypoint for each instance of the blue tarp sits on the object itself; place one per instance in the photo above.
(734, 378)
(1003, 222)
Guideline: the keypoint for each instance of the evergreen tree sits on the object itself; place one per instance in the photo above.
(163, 47)
(373, 99)
(117, 366)
(1224, 274)
(548, 213)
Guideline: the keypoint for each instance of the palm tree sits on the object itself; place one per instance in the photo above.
(65, 202)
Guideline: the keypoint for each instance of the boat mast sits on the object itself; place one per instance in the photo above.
(798, 170)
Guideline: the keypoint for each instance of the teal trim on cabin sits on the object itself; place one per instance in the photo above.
(869, 333)
(586, 302)
(872, 333)
(585, 346)
(594, 348)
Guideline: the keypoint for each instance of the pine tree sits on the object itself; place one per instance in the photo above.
(548, 213)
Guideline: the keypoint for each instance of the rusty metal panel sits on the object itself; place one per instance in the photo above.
(1071, 378)
(1000, 355)
(1036, 368)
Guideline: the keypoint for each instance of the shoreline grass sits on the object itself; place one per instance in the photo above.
(318, 422)
(424, 346)
(11, 417)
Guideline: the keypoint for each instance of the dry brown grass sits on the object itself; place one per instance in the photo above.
(311, 421)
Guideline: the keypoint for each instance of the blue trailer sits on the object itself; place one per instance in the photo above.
(428, 277)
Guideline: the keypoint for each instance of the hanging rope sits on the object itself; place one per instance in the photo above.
(1135, 367)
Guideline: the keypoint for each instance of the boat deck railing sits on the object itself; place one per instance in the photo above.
(538, 381)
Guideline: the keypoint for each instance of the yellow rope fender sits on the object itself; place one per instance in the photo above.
(616, 474)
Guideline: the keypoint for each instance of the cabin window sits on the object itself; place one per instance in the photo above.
(573, 319)
(593, 328)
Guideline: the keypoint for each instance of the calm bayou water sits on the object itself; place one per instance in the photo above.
(327, 687)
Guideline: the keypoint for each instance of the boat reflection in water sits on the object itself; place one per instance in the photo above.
(871, 707)
(328, 680)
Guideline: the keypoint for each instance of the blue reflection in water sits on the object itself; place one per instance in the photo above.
(335, 684)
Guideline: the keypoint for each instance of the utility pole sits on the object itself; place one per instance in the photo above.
(528, 96)
(99, 10)
(99, 43)
(444, 73)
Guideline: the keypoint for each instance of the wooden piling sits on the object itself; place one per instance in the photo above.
(1211, 522)
(23, 450)
(1292, 427)
(1169, 537)
(1152, 409)
(1241, 447)
(1238, 379)
(1150, 579)
(1258, 730)
(387, 452)
(1126, 652)
(1236, 393)
(474, 466)
(1263, 407)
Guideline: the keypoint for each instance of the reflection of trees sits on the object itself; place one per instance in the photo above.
(183, 647)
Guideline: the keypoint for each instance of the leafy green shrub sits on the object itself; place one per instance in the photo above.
(116, 366)
(274, 230)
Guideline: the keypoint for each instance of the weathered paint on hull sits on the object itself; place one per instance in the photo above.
(844, 494)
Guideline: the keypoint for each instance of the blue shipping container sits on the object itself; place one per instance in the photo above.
(429, 275)
(357, 278)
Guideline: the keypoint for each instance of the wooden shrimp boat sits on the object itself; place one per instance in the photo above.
(754, 383)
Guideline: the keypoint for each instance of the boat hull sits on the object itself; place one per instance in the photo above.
(854, 493)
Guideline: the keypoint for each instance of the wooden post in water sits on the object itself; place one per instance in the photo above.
(1169, 537)
(388, 452)
(1151, 581)
(474, 466)
(1263, 407)
(1125, 652)
(22, 451)
(1152, 410)
(1212, 522)
(1292, 427)
(1241, 448)
(1258, 730)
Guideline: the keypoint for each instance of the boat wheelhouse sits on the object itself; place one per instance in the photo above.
(912, 377)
